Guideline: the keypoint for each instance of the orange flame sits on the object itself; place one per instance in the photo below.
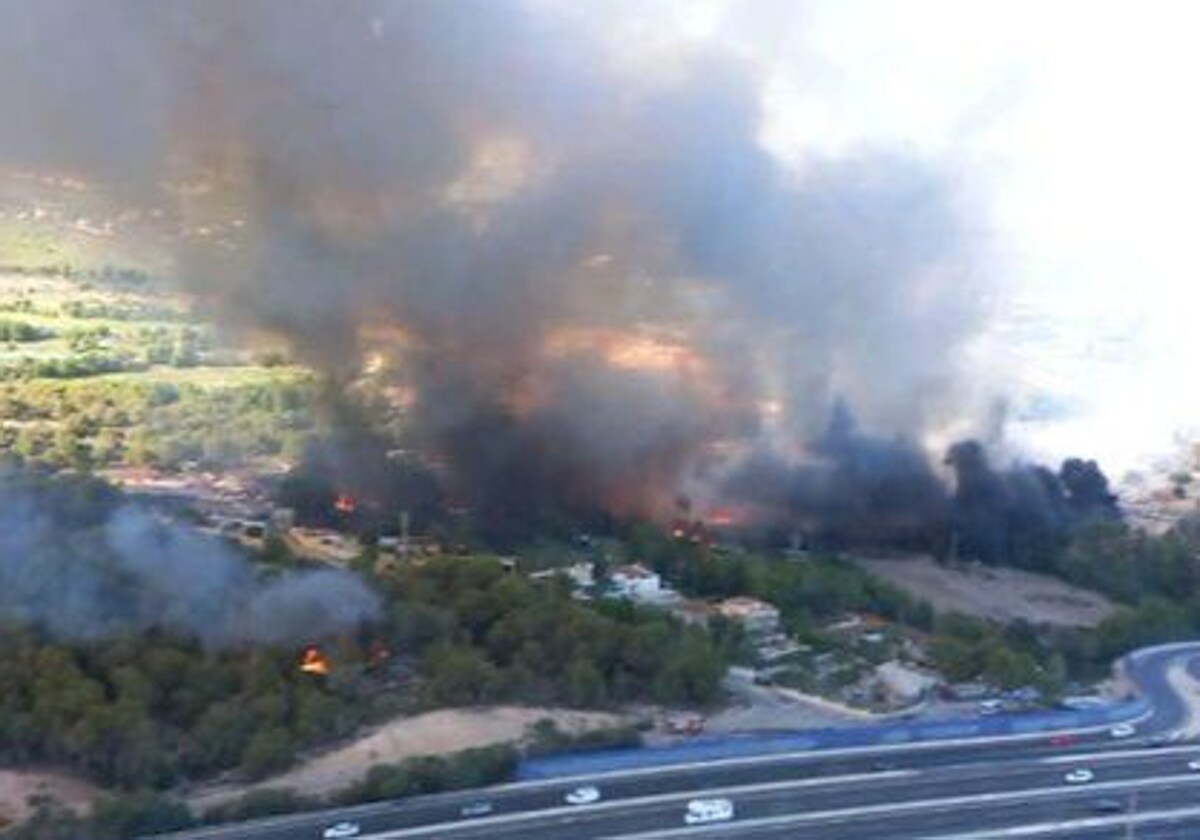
(314, 662)
(344, 503)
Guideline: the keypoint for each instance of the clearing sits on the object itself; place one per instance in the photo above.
(997, 593)
(433, 733)
(17, 787)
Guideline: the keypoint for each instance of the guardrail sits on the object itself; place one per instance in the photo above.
(707, 748)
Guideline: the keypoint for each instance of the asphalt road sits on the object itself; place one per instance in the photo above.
(928, 790)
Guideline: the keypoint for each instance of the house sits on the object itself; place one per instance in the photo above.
(757, 617)
(636, 582)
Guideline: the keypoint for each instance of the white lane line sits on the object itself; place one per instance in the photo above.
(1036, 829)
(1114, 755)
(893, 809)
(1184, 686)
(644, 801)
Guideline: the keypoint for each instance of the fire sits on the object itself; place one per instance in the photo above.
(312, 661)
(628, 350)
(344, 503)
(724, 517)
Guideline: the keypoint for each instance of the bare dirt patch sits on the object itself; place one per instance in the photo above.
(444, 731)
(17, 787)
(996, 593)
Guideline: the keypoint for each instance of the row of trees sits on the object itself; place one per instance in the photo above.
(150, 711)
(481, 635)
(99, 424)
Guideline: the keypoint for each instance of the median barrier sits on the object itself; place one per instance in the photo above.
(711, 748)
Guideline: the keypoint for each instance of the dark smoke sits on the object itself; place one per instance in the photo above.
(79, 564)
(1023, 514)
(498, 201)
(855, 490)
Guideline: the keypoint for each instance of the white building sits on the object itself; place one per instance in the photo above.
(581, 575)
(636, 582)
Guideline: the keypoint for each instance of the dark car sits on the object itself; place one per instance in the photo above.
(1108, 806)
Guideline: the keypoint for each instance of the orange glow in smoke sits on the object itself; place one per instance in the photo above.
(344, 503)
(624, 349)
(312, 661)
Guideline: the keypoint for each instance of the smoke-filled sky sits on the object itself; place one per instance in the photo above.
(1074, 124)
(602, 246)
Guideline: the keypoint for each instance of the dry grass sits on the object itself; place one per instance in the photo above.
(433, 733)
(999, 594)
(17, 787)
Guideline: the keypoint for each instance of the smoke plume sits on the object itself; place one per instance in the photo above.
(79, 564)
(591, 281)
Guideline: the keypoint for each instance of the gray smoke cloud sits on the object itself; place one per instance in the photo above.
(123, 571)
(597, 284)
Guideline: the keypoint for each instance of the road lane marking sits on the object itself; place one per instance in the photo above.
(1116, 820)
(917, 806)
(1111, 755)
(579, 811)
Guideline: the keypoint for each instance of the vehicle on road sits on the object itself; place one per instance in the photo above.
(708, 810)
(882, 766)
(585, 795)
(1079, 776)
(339, 831)
(1194, 764)
(1122, 730)
(476, 809)
(1062, 740)
(1108, 806)
(990, 707)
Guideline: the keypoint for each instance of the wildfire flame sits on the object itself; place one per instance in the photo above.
(344, 503)
(312, 661)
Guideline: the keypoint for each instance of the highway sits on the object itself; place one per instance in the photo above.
(1011, 787)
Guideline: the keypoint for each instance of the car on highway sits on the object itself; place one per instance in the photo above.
(1122, 730)
(708, 810)
(990, 707)
(476, 809)
(340, 831)
(1194, 764)
(1062, 740)
(585, 795)
(1108, 806)
(1079, 776)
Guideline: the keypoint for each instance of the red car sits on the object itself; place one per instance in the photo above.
(1061, 740)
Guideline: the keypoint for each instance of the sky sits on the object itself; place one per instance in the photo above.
(1073, 131)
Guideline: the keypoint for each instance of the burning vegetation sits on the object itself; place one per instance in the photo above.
(588, 290)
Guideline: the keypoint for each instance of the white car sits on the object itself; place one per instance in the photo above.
(708, 810)
(1194, 764)
(585, 795)
(1122, 730)
(476, 809)
(1079, 776)
(341, 830)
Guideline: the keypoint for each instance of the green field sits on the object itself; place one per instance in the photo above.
(103, 364)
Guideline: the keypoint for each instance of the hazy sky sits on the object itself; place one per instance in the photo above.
(1073, 125)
